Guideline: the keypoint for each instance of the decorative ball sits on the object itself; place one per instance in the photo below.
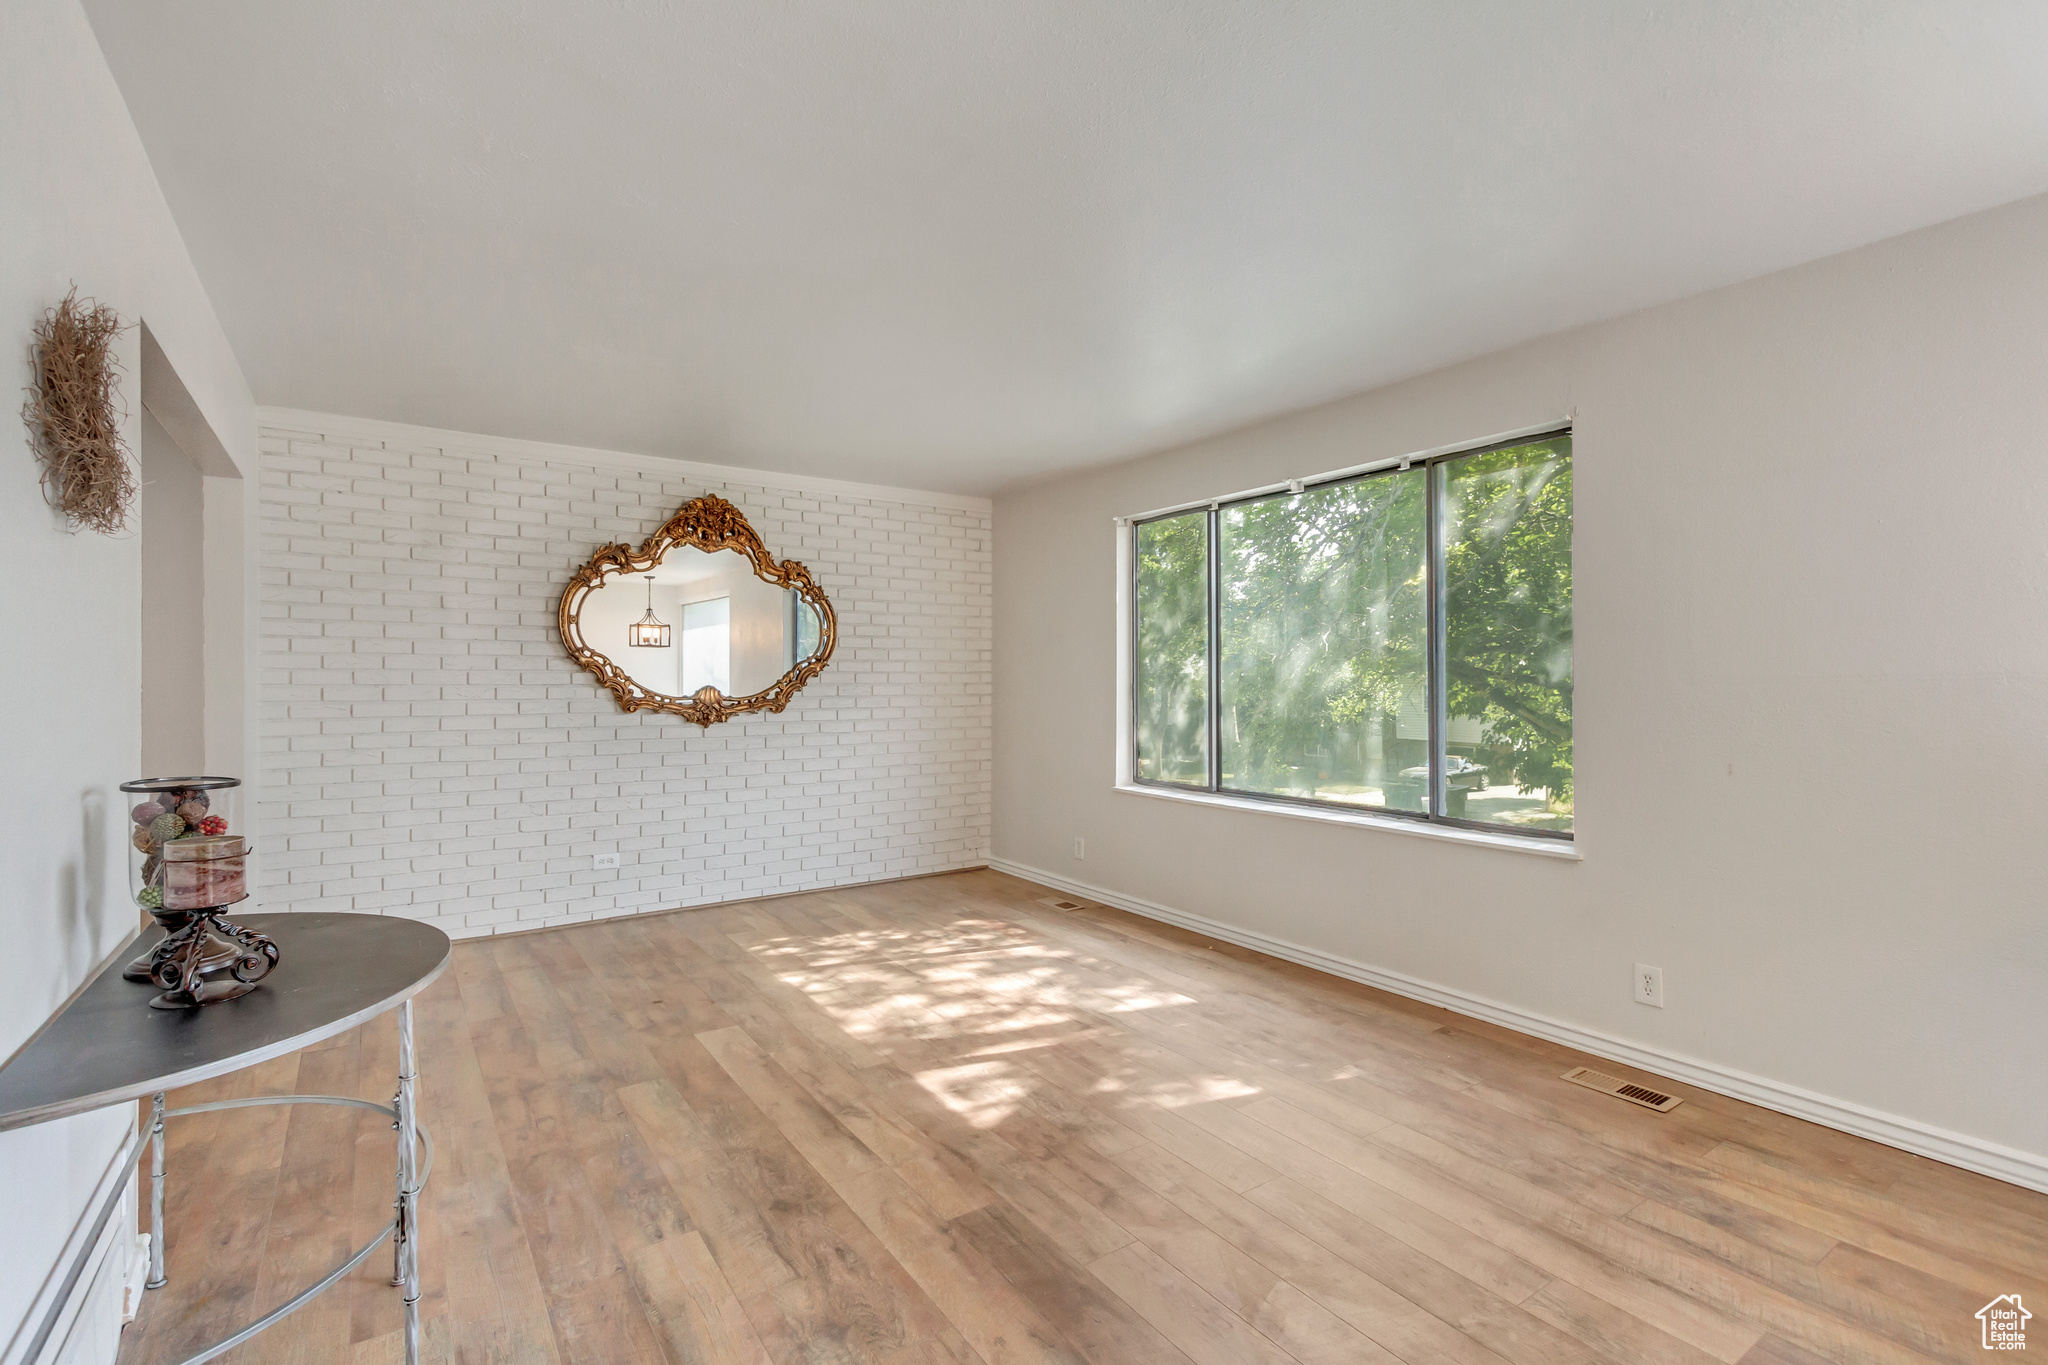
(151, 898)
(214, 824)
(143, 843)
(200, 798)
(192, 812)
(165, 828)
(146, 812)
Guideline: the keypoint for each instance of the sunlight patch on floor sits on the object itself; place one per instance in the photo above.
(972, 978)
(983, 1093)
(1035, 1044)
(1199, 1090)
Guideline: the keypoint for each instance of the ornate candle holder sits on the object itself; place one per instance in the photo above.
(187, 864)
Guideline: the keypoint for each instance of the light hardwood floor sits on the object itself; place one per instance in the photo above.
(938, 1120)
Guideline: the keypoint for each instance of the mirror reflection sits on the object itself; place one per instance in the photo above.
(700, 619)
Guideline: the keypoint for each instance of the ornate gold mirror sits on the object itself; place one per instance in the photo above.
(700, 621)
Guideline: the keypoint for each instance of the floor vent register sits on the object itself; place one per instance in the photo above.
(1623, 1090)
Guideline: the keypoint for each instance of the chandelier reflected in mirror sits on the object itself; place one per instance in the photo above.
(648, 632)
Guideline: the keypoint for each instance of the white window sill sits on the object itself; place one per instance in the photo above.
(1512, 843)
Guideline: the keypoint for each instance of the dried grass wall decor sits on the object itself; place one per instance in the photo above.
(74, 419)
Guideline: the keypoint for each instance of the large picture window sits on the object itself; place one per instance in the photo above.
(1399, 640)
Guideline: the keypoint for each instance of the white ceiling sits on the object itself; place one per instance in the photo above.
(953, 244)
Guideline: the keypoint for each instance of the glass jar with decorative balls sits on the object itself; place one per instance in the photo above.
(188, 861)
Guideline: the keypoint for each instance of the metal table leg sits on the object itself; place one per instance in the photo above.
(156, 1192)
(413, 1179)
(408, 1242)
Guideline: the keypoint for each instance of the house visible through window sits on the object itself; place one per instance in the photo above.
(1400, 640)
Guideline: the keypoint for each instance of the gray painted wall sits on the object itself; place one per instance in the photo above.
(1812, 624)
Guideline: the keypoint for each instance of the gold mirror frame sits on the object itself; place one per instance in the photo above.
(709, 523)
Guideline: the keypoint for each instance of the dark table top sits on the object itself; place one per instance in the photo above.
(108, 1045)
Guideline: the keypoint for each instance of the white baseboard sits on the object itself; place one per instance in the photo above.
(134, 1282)
(1956, 1149)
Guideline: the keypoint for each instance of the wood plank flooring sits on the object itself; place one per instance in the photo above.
(942, 1121)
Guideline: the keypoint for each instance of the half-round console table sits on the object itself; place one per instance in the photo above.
(108, 1046)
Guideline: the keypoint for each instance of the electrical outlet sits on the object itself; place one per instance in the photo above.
(1649, 985)
(1080, 847)
(605, 860)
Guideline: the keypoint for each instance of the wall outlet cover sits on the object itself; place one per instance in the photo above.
(1080, 847)
(1649, 985)
(605, 860)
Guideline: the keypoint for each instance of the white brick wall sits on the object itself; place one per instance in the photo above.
(429, 750)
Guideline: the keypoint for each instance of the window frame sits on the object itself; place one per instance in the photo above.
(1433, 466)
